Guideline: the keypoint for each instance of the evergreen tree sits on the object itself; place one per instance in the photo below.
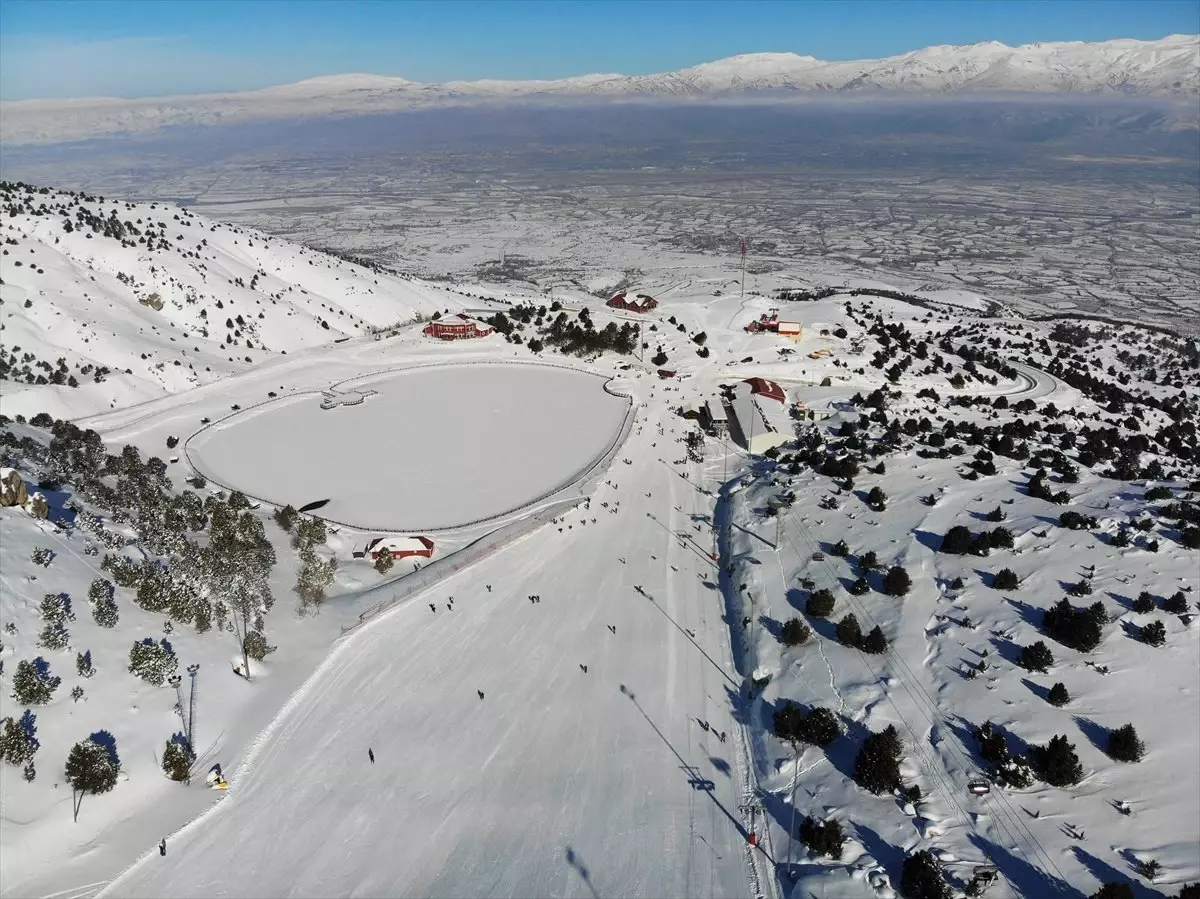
(152, 662)
(256, 646)
(1176, 603)
(1154, 633)
(83, 664)
(1190, 891)
(1036, 657)
(1058, 695)
(102, 597)
(32, 683)
(384, 562)
(841, 549)
(286, 517)
(957, 541)
(177, 758)
(860, 587)
(794, 632)
(922, 877)
(1124, 744)
(849, 633)
(18, 740)
(877, 768)
(788, 722)
(820, 727)
(875, 642)
(1006, 579)
(868, 561)
(822, 838)
(897, 582)
(1113, 891)
(820, 604)
(1057, 763)
(91, 768)
(877, 499)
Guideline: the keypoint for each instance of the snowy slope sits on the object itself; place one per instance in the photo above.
(614, 780)
(230, 298)
(1166, 67)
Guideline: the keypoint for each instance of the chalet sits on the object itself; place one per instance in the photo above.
(666, 375)
(768, 321)
(457, 327)
(399, 547)
(643, 302)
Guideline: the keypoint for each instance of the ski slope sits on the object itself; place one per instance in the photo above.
(557, 782)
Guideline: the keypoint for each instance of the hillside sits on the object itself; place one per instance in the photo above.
(115, 303)
(674, 644)
(1169, 67)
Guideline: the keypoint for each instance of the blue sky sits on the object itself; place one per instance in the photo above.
(137, 48)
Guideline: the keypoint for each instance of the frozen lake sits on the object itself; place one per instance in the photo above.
(434, 448)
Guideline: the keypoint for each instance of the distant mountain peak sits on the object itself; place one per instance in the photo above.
(1169, 67)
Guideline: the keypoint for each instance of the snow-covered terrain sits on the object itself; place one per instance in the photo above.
(590, 700)
(1166, 67)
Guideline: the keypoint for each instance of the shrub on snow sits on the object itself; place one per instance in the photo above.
(32, 682)
(152, 662)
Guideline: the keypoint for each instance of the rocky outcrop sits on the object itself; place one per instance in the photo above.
(12, 488)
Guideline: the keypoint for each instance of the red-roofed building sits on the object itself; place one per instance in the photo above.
(643, 303)
(399, 547)
(457, 327)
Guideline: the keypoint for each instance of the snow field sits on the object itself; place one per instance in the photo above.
(435, 448)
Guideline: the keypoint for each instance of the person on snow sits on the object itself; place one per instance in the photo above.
(433, 608)
(480, 692)
(162, 847)
(371, 754)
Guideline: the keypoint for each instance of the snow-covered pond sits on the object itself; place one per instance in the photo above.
(434, 447)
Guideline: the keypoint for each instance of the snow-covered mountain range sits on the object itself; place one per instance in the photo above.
(1169, 67)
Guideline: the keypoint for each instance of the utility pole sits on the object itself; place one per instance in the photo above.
(192, 671)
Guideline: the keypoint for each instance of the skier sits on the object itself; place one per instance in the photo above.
(371, 754)
(433, 608)
(584, 667)
(613, 628)
(489, 586)
(480, 692)
(162, 847)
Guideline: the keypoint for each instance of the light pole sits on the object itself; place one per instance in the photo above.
(792, 829)
(176, 680)
(192, 670)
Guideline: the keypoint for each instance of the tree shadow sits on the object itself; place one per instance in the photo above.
(1026, 879)
(1131, 630)
(825, 627)
(109, 742)
(1125, 602)
(1106, 873)
(890, 858)
(771, 626)
(797, 598)
(928, 539)
(1037, 690)
(1096, 734)
(843, 752)
(1007, 650)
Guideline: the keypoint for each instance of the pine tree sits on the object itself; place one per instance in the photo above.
(849, 633)
(101, 596)
(877, 768)
(794, 632)
(841, 548)
(1176, 603)
(822, 838)
(957, 541)
(83, 664)
(877, 499)
(868, 561)
(1036, 657)
(820, 727)
(1124, 744)
(788, 722)
(820, 604)
(897, 582)
(384, 561)
(91, 768)
(257, 647)
(1006, 579)
(177, 758)
(1154, 633)
(1058, 695)
(922, 877)
(1113, 891)
(1057, 762)
(1144, 604)
(286, 517)
(18, 741)
(860, 587)
(152, 662)
(32, 682)
(875, 642)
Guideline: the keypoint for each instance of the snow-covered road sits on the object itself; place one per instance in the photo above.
(558, 781)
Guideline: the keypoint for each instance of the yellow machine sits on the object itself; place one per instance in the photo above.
(820, 354)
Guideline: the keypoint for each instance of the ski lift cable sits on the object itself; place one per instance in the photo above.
(933, 713)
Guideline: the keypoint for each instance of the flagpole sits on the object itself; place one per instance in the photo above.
(743, 290)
